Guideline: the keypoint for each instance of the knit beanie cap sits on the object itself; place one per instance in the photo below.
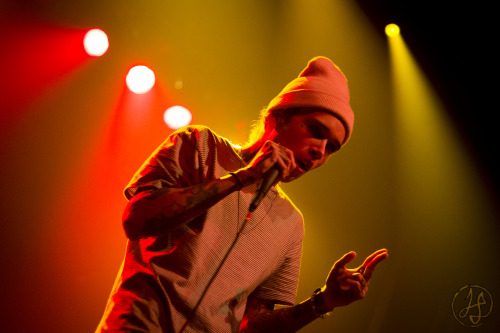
(322, 85)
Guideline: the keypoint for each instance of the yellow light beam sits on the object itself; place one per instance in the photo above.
(392, 30)
(440, 197)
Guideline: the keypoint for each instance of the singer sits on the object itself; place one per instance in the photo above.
(214, 243)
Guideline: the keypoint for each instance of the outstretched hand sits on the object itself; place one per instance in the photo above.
(344, 286)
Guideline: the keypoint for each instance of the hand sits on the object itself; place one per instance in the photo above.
(270, 154)
(344, 286)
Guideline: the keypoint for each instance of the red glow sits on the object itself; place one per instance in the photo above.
(136, 128)
(39, 54)
(95, 42)
(140, 79)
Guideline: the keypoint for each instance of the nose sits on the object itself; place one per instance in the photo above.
(317, 150)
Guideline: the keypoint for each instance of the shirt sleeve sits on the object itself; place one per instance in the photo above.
(175, 163)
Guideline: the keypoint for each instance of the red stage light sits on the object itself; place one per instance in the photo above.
(140, 79)
(95, 42)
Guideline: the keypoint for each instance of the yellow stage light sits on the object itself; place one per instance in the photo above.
(177, 116)
(392, 30)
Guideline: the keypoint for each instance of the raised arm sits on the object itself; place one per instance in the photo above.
(154, 212)
(343, 286)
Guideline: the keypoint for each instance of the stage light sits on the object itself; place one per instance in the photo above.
(95, 42)
(391, 30)
(177, 116)
(140, 79)
(178, 84)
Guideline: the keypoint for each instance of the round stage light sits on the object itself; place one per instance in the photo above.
(140, 79)
(95, 42)
(177, 116)
(391, 30)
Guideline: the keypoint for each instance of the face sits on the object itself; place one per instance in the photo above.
(311, 136)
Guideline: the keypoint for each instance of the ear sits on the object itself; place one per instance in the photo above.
(271, 122)
(270, 127)
(275, 121)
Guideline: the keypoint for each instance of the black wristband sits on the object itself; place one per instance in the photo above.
(316, 302)
(240, 185)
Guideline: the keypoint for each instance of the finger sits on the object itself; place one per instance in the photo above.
(354, 287)
(372, 256)
(286, 161)
(373, 264)
(346, 258)
(361, 269)
(355, 277)
(270, 156)
(266, 156)
(346, 284)
(281, 157)
(358, 277)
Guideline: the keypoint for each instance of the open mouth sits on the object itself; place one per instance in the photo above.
(301, 165)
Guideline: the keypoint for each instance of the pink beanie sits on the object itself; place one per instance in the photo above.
(322, 85)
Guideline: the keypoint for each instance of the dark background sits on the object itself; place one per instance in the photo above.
(456, 43)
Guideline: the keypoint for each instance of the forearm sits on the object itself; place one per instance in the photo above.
(290, 319)
(153, 213)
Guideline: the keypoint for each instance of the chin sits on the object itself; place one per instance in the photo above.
(291, 178)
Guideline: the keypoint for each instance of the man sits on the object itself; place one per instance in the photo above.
(198, 260)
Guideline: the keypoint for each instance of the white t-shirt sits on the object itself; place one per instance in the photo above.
(162, 278)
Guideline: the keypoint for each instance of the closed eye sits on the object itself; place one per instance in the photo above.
(318, 132)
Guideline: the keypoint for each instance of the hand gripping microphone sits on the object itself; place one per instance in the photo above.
(270, 177)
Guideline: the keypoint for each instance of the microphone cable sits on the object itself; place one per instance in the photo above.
(226, 255)
(269, 179)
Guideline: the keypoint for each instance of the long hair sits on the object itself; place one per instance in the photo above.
(258, 129)
(259, 126)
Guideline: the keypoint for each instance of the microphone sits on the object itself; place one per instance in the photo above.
(270, 177)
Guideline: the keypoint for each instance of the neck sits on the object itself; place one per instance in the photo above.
(248, 152)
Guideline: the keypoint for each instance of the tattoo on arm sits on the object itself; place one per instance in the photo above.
(178, 206)
(200, 194)
(263, 318)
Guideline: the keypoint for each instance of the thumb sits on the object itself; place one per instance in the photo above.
(346, 258)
